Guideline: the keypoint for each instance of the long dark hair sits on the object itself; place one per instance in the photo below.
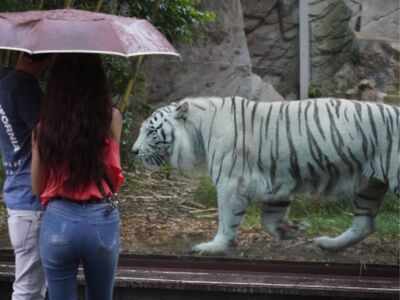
(75, 119)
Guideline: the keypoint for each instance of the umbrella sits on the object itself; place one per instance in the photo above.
(71, 30)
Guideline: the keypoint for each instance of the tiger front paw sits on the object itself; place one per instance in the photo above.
(212, 247)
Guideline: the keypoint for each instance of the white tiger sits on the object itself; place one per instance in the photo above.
(270, 151)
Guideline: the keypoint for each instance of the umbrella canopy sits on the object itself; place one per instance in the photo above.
(71, 30)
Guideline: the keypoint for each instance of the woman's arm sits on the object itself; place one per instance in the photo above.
(116, 125)
(37, 172)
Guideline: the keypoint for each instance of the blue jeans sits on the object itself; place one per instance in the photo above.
(74, 233)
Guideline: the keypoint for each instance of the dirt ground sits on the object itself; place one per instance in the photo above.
(159, 216)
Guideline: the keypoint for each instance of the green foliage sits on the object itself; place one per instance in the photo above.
(328, 216)
(392, 99)
(167, 170)
(177, 19)
(252, 217)
(206, 193)
(127, 158)
(314, 91)
(333, 217)
(118, 72)
(393, 96)
(131, 122)
(17, 5)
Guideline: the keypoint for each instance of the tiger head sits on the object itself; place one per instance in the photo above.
(162, 135)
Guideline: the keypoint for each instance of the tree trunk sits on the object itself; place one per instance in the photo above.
(123, 105)
(99, 5)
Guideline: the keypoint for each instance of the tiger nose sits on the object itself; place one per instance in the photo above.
(135, 151)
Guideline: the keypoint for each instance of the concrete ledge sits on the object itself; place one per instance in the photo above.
(205, 277)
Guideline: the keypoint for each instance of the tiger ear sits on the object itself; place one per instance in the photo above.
(181, 111)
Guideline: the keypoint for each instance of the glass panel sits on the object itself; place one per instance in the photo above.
(257, 153)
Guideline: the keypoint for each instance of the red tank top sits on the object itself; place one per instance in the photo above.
(54, 185)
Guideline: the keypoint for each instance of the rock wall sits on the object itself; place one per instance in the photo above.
(376, 51)
(216, 64)
(350, 40)
(252, 48)
(377, 19)
(332, 41)
(381, 18)
(272, 31)
(376, 60)
(272, 36)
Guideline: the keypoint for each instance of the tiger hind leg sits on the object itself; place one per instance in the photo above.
(274, 219)
(366, 203)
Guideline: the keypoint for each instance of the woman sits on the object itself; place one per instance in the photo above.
(75, 170)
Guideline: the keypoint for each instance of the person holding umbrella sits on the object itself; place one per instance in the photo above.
(75, 171)
(20, 97)
(75, 147)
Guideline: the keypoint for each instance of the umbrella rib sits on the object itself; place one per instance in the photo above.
(17, 49)
(93, 51)
(153, 53)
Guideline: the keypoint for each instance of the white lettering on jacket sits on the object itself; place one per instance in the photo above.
(9, 130)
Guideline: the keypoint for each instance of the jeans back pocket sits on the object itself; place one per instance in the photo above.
(108, 235)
